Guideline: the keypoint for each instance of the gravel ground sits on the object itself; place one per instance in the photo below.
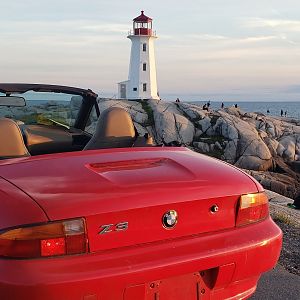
(290, 253)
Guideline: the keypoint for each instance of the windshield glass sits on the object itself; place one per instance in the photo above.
(44, 108)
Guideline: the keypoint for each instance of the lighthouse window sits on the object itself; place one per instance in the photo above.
(144, 87)
(134, 89)
(144, 66)
(144, 47)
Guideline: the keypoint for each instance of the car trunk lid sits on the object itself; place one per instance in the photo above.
(127, 196)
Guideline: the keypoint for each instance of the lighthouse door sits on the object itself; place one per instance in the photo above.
(123, 91)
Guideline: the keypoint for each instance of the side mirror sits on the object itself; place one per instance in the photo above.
(12, 101)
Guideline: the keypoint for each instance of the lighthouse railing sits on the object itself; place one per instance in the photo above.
(138, 31)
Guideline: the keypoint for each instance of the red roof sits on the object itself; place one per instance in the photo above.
(142, 18)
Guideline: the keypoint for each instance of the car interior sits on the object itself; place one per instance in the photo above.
(114, 129)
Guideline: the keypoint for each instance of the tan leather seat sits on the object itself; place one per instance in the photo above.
(115, 129)
(11, 140)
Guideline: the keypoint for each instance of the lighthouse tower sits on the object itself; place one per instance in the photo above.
(141, 83)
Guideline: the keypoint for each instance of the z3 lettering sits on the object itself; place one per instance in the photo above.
(113, 227)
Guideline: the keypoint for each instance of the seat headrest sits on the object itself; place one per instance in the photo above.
(115, 122)
(114, 129)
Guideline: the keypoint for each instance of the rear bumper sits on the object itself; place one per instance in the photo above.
(232, 261)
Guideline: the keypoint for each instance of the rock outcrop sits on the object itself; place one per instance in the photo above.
(170, 124)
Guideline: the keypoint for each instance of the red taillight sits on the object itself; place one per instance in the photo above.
(51, 239)
(51, 247)
(252, 208)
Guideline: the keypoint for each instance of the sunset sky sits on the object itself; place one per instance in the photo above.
(207, 49)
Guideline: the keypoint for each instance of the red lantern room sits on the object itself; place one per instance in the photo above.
(142, 25)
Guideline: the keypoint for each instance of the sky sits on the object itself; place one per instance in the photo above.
(233, 50)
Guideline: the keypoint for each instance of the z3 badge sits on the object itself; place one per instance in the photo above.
(113, 227)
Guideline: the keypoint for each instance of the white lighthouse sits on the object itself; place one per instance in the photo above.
(141, 83)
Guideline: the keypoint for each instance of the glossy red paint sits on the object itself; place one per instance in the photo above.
(13, 202)
(253, 249)
(204, 255)
(65, 184)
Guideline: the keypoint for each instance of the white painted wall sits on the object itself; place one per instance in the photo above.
(136, 76)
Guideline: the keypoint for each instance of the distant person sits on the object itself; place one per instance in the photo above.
(204, 107)
(281, 112)
(158, 96)
(222, 105)
(177, 100)
(235, 105)
(268, 111)
(208, 104)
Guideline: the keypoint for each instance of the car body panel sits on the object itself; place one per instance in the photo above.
(136, 187)
(49, 179)
(17, 207)
(229, 263)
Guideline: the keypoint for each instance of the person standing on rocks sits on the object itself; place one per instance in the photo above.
(204, 107)
(281, 113)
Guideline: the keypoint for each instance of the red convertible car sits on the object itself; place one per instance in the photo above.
(108, 215)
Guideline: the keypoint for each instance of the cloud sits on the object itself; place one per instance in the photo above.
(286, 30)
(278, 24)
(46, 35)
(209, 37)
(256, 39)
(81, 27)
(106, 27)
(233, 41)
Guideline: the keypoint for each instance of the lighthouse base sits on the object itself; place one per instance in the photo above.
(127, 92)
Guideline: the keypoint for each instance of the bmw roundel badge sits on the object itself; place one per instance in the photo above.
(169, 219)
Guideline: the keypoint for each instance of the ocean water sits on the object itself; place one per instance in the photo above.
(292, 109)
